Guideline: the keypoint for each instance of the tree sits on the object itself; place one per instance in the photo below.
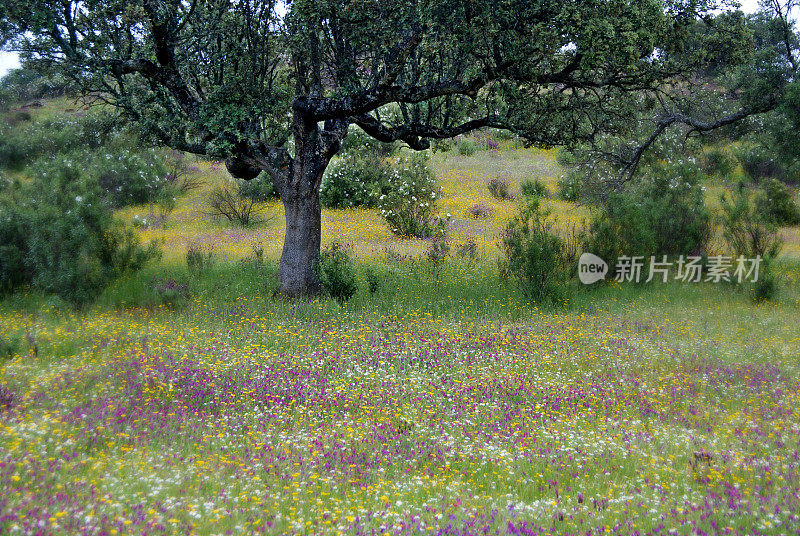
(273, 86)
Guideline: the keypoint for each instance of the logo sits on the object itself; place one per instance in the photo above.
(591, 268)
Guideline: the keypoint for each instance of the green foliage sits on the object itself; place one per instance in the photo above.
(128, 177)
(759, 162)
(569, 187)
(776, 203)
(466, 147)
(533, 255)
(409, 204)
(533, 188)
(9, 347)
(59, 135)
(61, 238)
(499, 189)
(719, 163)
(358, 141)
(373, 280)
(356, 179)
(662, 213)
(26, 84)
(336, 272)
(198, 258)
(259, 189)
(747, 231)
(766, 287)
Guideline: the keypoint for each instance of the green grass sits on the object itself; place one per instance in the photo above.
(444, 393)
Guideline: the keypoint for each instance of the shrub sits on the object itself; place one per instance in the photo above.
(129, 177)
(373, 280)
(64, 237)
(749, 233)
(746, 230)
(170, 292)
(359, 142)
(776, 203)
(533, 188)
(409, 205)
(468, 249)
(569, 187)
(336, 273)
(225, 202)
(356, 179)
(758, 162)
(438, 251)
(198, 258)
(662, 213)
(9, 347)
(766, 287)
(466, 147)
(719, 163)
(499, 189)
(13, 149)
(259, 189)
(181, 176)
(533, 256)
(480, 211)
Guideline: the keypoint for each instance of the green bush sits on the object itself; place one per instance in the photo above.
(336, 273)
(128, 177)
(198, 258)
(533, 188)
(9, 347)
(25, 84)
(766, 287)
(662, 213)
(759, 162)
(409, 204)
(749, 233)
(533, 256)
(499, 189)
(259, 189)
(466, 147)
(719, 163)
(776, 203)
(356, 179)
(63, 239)
(61, 134)
(569, 187)
(746, 229)
(358, 141)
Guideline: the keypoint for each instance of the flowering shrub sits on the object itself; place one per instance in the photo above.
(758, 162)
(409, 206)
(661, 213)
(356, 179)
(128, 177)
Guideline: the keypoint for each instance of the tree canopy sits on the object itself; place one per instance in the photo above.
(273, 86)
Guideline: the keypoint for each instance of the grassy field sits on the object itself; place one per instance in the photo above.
(442, 403)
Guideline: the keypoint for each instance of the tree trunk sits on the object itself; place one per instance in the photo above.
(301, 244)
